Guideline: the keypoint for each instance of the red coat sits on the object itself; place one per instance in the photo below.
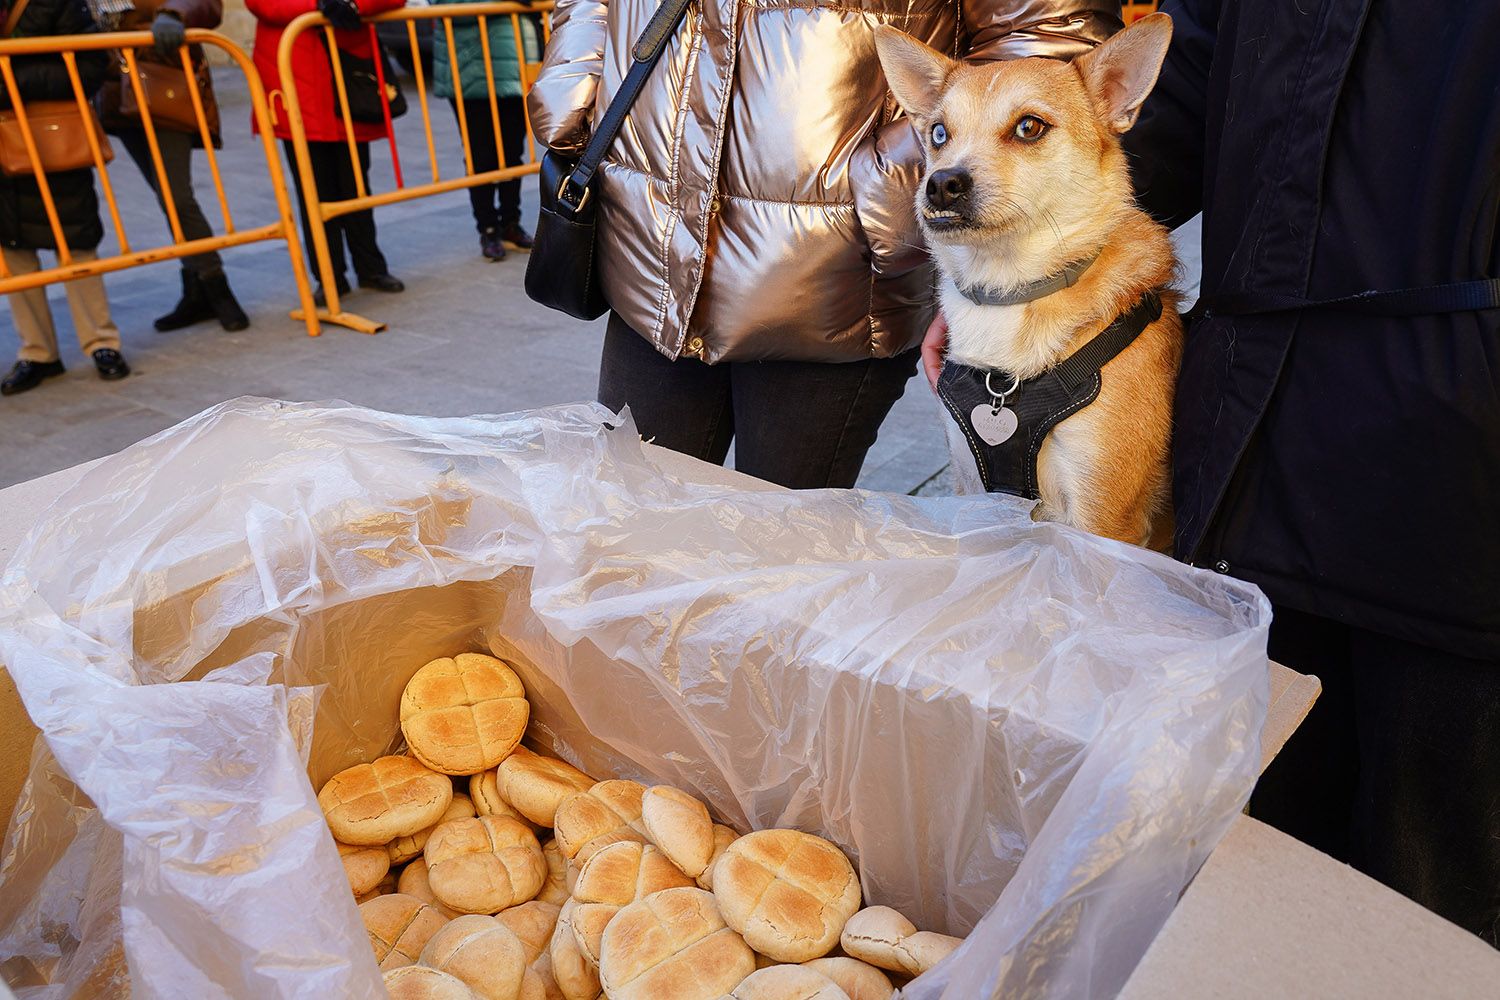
(310, 67)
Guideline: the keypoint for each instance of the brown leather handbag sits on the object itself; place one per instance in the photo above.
(168, 98)
(58, 128)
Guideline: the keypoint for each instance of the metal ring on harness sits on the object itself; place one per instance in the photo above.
(1015, 383)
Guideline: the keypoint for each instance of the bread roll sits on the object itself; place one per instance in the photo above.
(363, 866)
(487, 798)
(532, 986)
(884, 938)
(625, 872)
(672, 945)
(787, 982)
(464, 714)
(679, 825)
(608, 807)
(588, 922)
(483, 953)
(414, 882)
(485, 864)
(417, 982)
(403, 849)
(533, 923)
(575, 977)
(536, 785)
(788, 892)
(576, 862)
(555, 889)
(860, 980)
(384, 887)
(399, 927)
(370, 805)
(723, 837)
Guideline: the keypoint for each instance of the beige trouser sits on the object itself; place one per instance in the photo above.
(86, 301)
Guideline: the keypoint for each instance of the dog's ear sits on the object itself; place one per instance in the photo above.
(1121, 72)
(915, 71)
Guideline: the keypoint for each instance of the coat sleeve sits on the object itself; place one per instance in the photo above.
(561, 101)
(196, 13)
(1167, 143)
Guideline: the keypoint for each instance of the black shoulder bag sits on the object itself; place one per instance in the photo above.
(562, 273)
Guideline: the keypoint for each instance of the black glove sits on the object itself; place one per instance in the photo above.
(342, 14)
(168, 30)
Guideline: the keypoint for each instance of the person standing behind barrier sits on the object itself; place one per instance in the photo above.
(24, 226)
(497, 207)
(205, 290)
(757, 242)
(322, 120)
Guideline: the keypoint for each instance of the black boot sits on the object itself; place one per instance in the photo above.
(194, 307)
(222, 301)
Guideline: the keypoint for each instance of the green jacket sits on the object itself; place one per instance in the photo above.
(470, 52)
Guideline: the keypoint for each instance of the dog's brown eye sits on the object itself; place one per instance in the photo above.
(1030, 128)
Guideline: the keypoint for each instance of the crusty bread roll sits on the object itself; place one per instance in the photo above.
(788, 892)
(418, 982)
(608, 807)
(482, 952)
(860, 980)
(588, 922)
(487, 798)
(574, 976)
(403, 849)
(532, 986)
(576, 862)
(672, 945)
(555, 889)
(536, 785)
(384, 887)
(370, 805)
(464, 714)
(625, 872)
(414, 882)
(679, 825)
(786, 982)
(364, 866)
(533, 923)
(484, 864)
(884, 938)
(723, 837)
(399, 927)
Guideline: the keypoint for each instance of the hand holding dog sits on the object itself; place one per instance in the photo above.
(934, 348)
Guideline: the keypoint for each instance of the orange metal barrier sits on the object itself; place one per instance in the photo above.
(1132, 12)
(67, 47)
(447, 14)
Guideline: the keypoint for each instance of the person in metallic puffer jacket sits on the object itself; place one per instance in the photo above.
(758, 245)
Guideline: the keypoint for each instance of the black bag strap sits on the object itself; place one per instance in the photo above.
(647, 51)
(1460, 296)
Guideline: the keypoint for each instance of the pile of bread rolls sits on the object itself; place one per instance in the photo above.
(538, 882)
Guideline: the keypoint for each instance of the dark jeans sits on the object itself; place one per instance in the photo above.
(802, 424)
(177, 161)
(1397, 768)
(334, 177)
(496, 206)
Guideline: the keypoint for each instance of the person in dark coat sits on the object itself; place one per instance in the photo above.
(24, 226)
(1345, 457)
(205, 289)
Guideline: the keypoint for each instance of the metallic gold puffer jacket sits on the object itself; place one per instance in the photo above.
(757, 203)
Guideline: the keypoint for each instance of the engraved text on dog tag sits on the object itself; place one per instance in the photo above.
(994, 425)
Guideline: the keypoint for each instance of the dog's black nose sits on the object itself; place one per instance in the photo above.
(946, 188)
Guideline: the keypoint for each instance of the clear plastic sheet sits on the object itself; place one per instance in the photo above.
(1020, 733)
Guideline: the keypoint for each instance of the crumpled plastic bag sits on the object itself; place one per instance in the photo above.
(1019, 732)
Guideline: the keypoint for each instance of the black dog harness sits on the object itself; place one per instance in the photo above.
(1005, 419)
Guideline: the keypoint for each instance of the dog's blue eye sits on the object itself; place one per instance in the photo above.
(939, 134)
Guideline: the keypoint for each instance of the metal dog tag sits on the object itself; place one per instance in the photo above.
(994, 425)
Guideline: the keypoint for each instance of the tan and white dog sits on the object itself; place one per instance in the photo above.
(1028, 210)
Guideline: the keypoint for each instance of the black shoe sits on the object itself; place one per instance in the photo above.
(382, 283)
(193, 308)
(517, 238)
(321, 301)
(223, 303)
(111, 364)
(491, 245)
(28, 375)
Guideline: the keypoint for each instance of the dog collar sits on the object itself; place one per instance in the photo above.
(1032, 290)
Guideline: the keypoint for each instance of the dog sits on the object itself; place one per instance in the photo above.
(1028, 210)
